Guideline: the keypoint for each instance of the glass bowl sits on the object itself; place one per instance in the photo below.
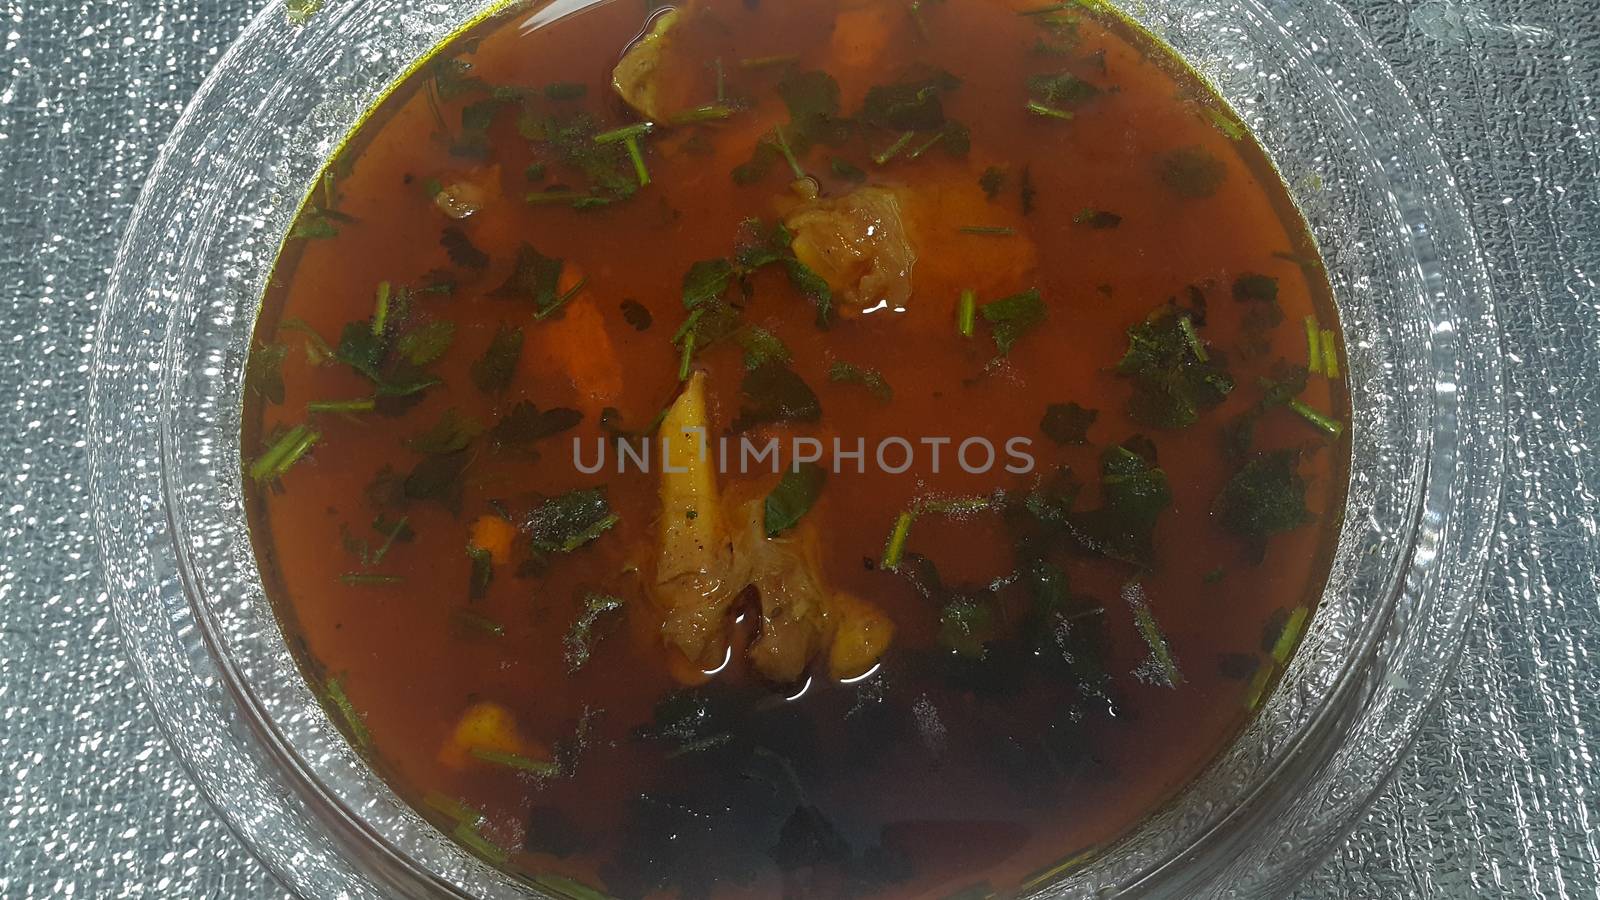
(165, 453)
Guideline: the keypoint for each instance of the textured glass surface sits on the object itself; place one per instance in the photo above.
(1493, 803)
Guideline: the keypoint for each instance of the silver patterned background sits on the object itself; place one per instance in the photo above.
(1499, 799)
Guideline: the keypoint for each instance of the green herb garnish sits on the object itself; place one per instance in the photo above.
(1266, 497)
(989, 230)
(482, 574)
(869, 378)
(438, 479)
(347, 711)
(774, 393)
(1096, 218)
(706, 280)
(583, 635)
(461, 250)
(427, 343)
(993, 180)
(1191, 172)
(1046, 111)
(527, 423)
(1133, 493)
(795, 494)
(967, 313)
(1012, 317)
(517, 761)
(284, 451)
(493, 371)
(1067, 423)
(568, 521)
(1174, 378)
(452, 433)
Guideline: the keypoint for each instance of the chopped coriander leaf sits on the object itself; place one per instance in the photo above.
(1161, 667)
(535, 277)
(517, 761)
(760, 347)
(265, 373)
(482, 572)
(1266, 497)
(314, 224)
(913, 105)
(1046, 111)
(568, 521)
(988, 230)
(427, 343)
(1192, 338)
(363, 404)
(526, 423)
(706, 280)
(1253, 287)
(1096, 218)
(1192, 173)
(565, 90)
(992, 181)
(871, 379)
(493, 371)
(847, 171)
(439, 479)
(453, 432)
(965, 627)
(1067, 423)
(461, 250)
(286, 450)
(1133, 494)
(1172, 383)
(585, 633)
(476, 621)
(1012, 317)
(637, 315)
(795, 494)
(1062, 89)
(774, 393)
(967, 313)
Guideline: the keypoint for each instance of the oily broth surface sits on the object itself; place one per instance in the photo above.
(399, 652)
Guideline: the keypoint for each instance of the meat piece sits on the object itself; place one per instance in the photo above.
(696, 575)
(858, 244)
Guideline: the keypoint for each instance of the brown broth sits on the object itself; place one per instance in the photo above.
(920, 811)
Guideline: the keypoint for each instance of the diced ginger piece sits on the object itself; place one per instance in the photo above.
(579, 343)
(488, 726)
(793, 601)
(652, 77)
(462, 196)
(494, 534)
(696, 578)
(857, 243)
(861, 635)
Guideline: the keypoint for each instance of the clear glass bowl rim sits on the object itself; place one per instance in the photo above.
(1454, 508)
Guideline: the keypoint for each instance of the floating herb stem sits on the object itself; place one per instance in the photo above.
(788, 153)
(989, 230)
(380, 314)
(767, 62)
(1313, 346)
(1192, 338)
(561, 301)
(722, 80)
(896, 547)
(686, 357)
(967, 313)
(370, 579)
(707, 113)
(347, 711)
(1046, 111)
(285, 452)
(517, 761)
(1329, 426)
(478, 622)
(1330, 354)
(889, 152)
(364, 404)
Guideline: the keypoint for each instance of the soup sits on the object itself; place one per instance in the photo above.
(817, 449)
